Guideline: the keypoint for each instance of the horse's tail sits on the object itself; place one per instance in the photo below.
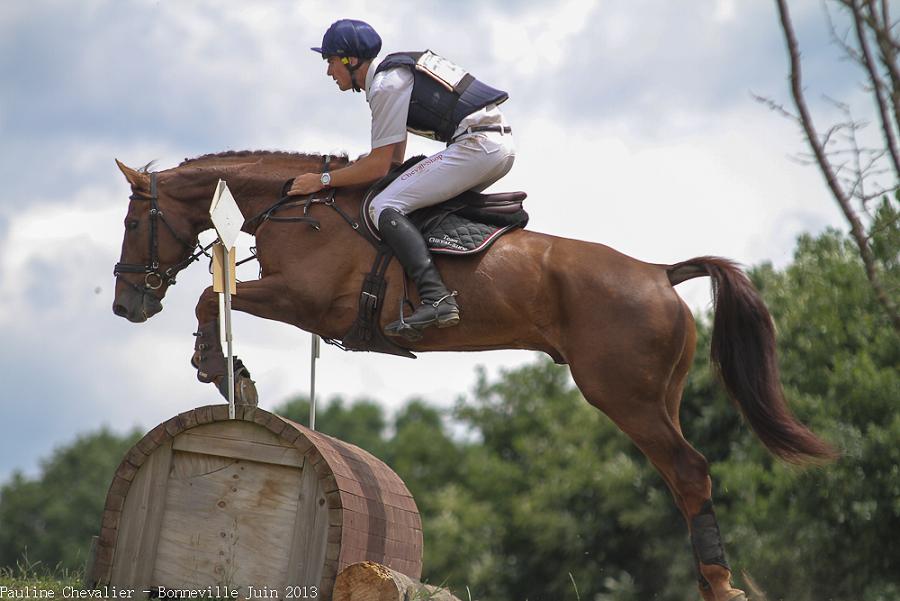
(743, 353)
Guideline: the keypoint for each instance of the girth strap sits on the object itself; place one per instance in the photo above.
(365, 333)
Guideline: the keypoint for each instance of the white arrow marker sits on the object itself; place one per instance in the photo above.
(226, 215)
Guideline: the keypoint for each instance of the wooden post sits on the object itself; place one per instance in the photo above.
(224, 282)
(228, 220)
(314, 354)
(370, 581)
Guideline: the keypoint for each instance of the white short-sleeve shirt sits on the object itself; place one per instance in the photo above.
(388, 95)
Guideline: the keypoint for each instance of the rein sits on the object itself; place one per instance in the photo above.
(155, 278)
(289, 202)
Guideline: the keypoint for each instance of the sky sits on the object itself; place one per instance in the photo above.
(634, 121)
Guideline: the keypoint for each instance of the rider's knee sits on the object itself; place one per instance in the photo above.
(379, 205)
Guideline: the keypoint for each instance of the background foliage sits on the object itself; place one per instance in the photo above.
(526, 492)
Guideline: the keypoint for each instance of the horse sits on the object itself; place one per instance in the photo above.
(617, 322)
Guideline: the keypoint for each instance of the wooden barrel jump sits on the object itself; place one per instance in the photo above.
(203, 501)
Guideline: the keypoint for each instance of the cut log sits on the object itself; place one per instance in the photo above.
(370, 581)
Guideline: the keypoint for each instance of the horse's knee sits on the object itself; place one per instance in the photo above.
(207, 305)
(208, 357)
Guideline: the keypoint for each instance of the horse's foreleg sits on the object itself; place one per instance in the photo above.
(210, 360)
(208, 357)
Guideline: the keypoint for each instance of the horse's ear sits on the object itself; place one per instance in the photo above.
(134, 177)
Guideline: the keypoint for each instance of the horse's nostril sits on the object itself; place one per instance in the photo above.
(120, 310)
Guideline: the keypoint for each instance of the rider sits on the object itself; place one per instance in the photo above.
(428, 95)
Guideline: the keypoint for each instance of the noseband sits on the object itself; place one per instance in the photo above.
(155, 278)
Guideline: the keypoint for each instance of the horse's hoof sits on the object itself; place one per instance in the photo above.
(244, 391)
(737, 595)
(244, 388)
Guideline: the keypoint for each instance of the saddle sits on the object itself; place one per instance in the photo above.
(464, 225)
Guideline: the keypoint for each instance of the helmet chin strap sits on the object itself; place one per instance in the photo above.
(351, 69)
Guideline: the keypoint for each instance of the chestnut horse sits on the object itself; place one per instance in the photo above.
(618, 323)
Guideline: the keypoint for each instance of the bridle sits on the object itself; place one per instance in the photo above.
(155, 278)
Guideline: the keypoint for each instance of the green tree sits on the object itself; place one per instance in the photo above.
(52, 518)
(362, 422)
(559, 499)
(826, 533)
(423, 453)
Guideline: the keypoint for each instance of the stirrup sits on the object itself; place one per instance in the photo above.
(413, 332)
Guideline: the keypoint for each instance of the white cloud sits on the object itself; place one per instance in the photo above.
(533, 42)
(725, 10)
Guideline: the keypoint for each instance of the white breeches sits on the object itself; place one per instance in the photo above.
(473, 162)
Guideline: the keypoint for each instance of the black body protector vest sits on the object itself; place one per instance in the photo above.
(443, 93)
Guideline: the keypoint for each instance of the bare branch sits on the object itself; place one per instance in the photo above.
(876, 195)
(841, 152)
(888, 50)
(801, 160)
(834, 129)
(887, 127)
(839, 168)
(775, 106)
(841, 41)
(856, 229)
(874, 159)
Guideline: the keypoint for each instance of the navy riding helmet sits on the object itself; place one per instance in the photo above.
(349, 37)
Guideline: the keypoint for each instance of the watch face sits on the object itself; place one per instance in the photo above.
(326, 179)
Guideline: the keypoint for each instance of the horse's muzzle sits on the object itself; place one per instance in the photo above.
(135, 306)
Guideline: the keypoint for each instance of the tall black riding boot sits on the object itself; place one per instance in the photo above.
(438, 305)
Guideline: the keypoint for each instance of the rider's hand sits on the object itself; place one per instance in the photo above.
(308, 183)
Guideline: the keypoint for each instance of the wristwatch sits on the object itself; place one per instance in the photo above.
(326, 179)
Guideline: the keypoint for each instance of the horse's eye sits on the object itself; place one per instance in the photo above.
(132, 225)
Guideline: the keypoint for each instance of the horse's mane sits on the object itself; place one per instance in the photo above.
(262, 154)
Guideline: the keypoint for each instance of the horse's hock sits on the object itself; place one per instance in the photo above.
(203, 501)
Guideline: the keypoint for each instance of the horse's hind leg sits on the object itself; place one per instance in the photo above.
(704, 531)
(641, 404)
